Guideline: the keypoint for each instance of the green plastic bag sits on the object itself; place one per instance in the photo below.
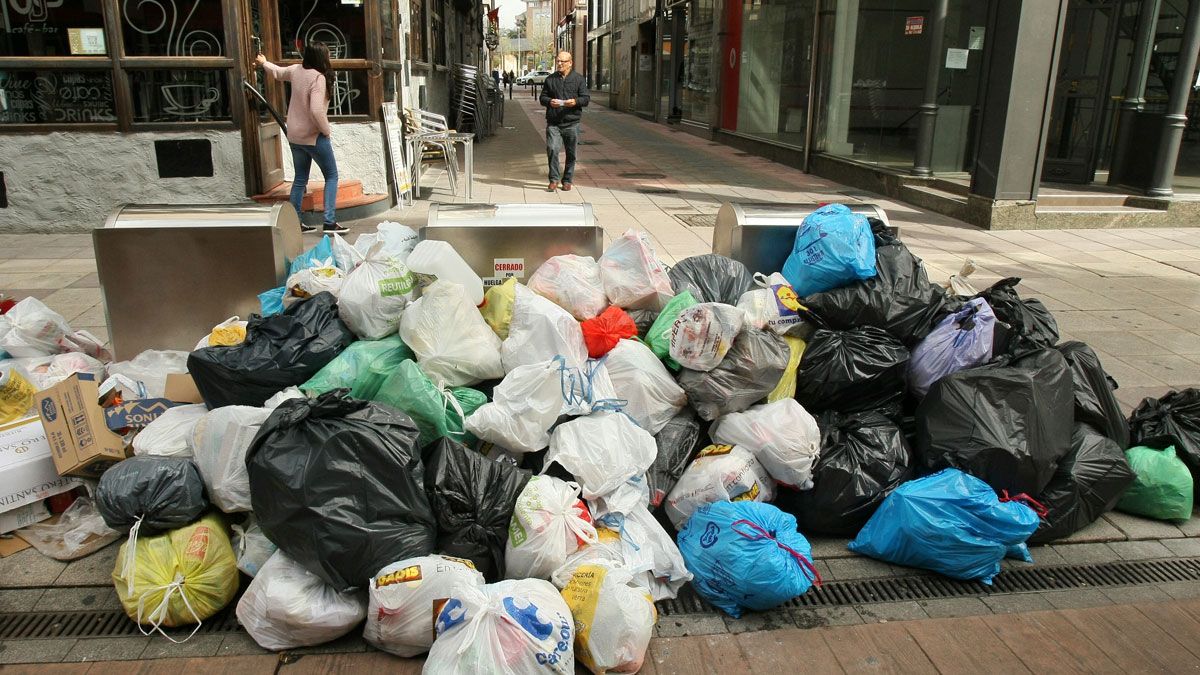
(1163, 488)
(352, 368)
(410, 390)
(659, 335)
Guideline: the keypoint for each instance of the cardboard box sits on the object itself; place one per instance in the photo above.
(22, 516)
(80, 440)
(28, 472)
(181, 388)
(136, 414)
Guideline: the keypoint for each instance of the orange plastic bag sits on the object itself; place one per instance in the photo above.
(603, 332)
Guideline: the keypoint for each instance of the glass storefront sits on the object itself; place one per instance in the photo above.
(697, 78)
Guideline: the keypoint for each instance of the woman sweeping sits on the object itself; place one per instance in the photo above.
(308, 128)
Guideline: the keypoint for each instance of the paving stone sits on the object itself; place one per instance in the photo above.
(1191, 528)
(696, 624)
(1184, 548)
(829, 547)
(1137, 527)
(755, 621)
(78, 599)
(1020, 602)
(240, 644)
(19, 599)
(108, 649)
(1128, 595)
(1077, 599)
(1181, 590)
(35, 651)
(890, 611)
(1140, 550)
(198, 645)
(352, 642)
(93, 570)
(1045, 556)
(943, 608)
(816, 617)
(1099, 531)
(1075, 554)
(29, 568)
(858, 568)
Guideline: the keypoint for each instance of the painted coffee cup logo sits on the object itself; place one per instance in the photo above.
(189, 99)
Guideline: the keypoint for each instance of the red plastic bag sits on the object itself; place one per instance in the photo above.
(603, 332)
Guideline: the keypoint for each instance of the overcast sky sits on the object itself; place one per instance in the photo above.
(509, 9)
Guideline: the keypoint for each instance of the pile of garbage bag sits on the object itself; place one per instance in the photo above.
(508, 477)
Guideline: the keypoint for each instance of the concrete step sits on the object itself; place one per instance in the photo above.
(952, 187)
(314, 195)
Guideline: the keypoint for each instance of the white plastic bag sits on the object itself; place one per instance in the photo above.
(774, 305)
(632, 274)
(170, 434)
(651, 395)
(586, 388)
(782, 435)
(402, 600)
(646, 549)
(286, 606)
(454, 345)
(79, 531)
(251, 546)
(539, 331)
(231, 322)
(35, 330)
(720, 473)
(283, 395)
(46, 371)
(398, 240)
(703, 334)
(345, 255)
(374, 295)
(602, 451)
(84, 342)
(960, 284)
(573, 283)
(549, 523)
(151, 368)
(220, 441)
(614, 618)
(520, 627)
(324, 276)
(523, 408)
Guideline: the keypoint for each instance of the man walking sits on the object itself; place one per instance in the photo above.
(564, 94)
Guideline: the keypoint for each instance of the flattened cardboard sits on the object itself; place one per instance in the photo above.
(181, 388)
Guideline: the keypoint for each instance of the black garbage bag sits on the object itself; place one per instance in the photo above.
(1095, 403)
(750, 370)
(643, 319)
(279, 351)
(1027, 323)
(1008, 423)
(898, 299)
(338, 484)
(1089, 481)
(863, 458)
(678, 444)
(473, 498)
(711, 278)
(163, 492)
(852, 371)
(1177, 415)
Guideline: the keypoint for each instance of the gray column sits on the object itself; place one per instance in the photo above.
(1135, 88)
(929, 108)
(1020, 67)
(1175, 120)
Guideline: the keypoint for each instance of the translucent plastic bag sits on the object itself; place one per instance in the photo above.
(79, 531)
(959, 284)
(508, 628)
(711, 277)
(573, 283)
(34, 330)
(833, 247)
(324, 276)
(604, 331)
(1163, 488)
(961, 340)
(659, 334)
(230, 332)
(151, 368)
(524, 406)
(16, 394)
(251, 546)
(645, 549)
(774, 305)
(549, 523)
(46, 371)
(286, 606)
(750, 370)
(398, 240)
(402, 597)
(374, 295)
(602, 451)
(438, 412)
(783, 437)
(362, 367)
(453, 344)
(678, 442)
(787, 384)
(220, 441)
(720, 473)
(703, 334)
(614, 619)
(632, 274)
(497, 307)
(539, 331)
(171, 433)
(651, 395)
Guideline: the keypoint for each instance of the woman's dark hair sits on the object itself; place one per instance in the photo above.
(316, 57)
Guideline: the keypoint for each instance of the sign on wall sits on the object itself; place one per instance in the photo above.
(401, 177)
(914, 25)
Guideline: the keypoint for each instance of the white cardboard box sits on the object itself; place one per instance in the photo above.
(27, 472)
(23, 516)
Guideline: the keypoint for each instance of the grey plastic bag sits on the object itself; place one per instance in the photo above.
(749, 371)
(160, 493)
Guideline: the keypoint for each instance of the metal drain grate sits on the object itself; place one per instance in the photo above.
(110, 623)
(698, 219)
(657, 191)
(639, 174)
(898, 589)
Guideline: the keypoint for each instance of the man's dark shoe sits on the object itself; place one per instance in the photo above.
(552, 187)
(336, 228)
(566, 187)
(305, 228)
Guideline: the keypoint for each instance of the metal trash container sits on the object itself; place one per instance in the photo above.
(169, 273)
(761, 235)
(512, 240)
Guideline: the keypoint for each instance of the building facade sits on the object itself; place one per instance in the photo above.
(569, 18)
(104, 102)
(971, 107)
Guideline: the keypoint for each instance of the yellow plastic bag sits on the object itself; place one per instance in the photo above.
(178, 578)
(227, 336)
(614, 619)
(497, 307)
(16, 396)
(787, 384)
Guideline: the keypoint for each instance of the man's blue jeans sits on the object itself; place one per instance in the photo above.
(302, 159)
(557, 138)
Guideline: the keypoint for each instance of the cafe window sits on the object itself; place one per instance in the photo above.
(349, 93)
(172, 27)
(56, 97)
(50, 28)
(179, 95)
(418, 19)
(339, 24)
(438, 30)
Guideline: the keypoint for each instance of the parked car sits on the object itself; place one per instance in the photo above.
(536, 77)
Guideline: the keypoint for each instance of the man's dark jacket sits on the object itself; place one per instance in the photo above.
(570, 87)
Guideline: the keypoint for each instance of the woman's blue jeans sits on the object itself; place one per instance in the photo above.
(302, 159)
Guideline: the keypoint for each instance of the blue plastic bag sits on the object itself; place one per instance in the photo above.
(950, 522)
(746, 555)
(959, 341)
(312, 257)
(272, 301)
(833, 247)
